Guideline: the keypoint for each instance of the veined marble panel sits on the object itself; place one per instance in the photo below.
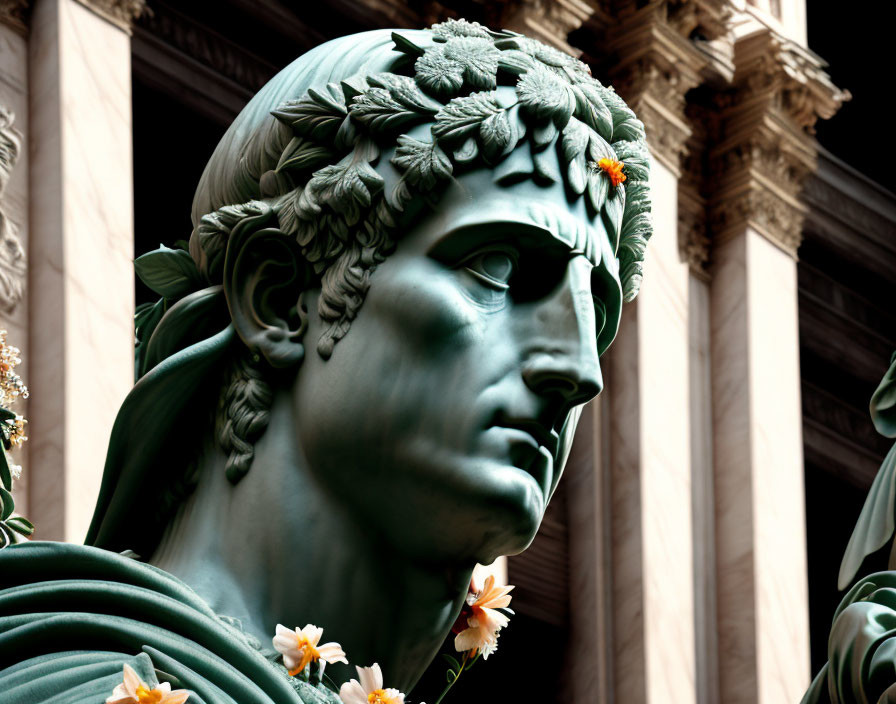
(760, 543)
(82, 311)
(650, 438)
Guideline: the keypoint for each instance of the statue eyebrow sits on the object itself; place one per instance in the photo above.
(572, 231)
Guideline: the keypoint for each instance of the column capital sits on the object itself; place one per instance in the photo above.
(121, 13)
(765, 146)
(549, 21)
(14, 13)
(658, 52)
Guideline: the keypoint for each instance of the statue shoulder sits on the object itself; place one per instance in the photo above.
(72, 616)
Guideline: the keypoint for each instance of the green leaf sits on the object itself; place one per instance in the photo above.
(462, 117)
(6, 536)
(171, 273)
(21, 525)
(5, 472)
(6, 414)
(424, 164)
(451, 661)
(7, 504)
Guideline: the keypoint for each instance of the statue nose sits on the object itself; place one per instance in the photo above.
(562, 360)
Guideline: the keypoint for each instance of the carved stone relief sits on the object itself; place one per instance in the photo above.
(12, 256)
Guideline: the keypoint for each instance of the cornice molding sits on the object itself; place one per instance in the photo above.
(549, 21)
(121, 13)
(764, 148)
(14, 14)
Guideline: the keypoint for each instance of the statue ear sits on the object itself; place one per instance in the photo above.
(264, 277)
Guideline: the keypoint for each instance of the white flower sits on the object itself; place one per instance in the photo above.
(133, 690)
(299, 648)
(370, 689)
(483, 618)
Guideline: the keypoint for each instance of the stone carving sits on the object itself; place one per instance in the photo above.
(14, 13)
(860, 665)
(409, 251)
(120, 12)
(12, 256)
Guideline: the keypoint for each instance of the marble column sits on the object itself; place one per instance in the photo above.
(81, 253)
(761, 154)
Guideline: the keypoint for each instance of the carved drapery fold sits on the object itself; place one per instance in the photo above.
(12, 255)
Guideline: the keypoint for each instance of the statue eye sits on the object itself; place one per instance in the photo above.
(493, 268)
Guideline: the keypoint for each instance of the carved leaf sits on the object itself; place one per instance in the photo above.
(497, 136)
(636, 159)
(479, 59)
(515, 62)
(625, 125)
(405, 90)
(405, 45)
(467, 152)
(424, 164)
(347, 186)
(439, 75)
(597, 187)
(304, 155)
(459, 28)
(614, 207)
(462, 116)
(377, 109)
(573, 146)
(171, 273)
(591, 109)
(544, 95)
(317, 114)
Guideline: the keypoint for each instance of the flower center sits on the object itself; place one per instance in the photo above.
(379, 696)
(148, 696)
(309, 654)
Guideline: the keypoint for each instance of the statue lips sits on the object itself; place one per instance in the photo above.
(532, 445)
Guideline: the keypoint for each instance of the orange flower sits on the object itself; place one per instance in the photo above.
(483, 619)
(613, 169)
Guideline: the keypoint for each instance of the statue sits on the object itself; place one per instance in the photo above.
(861, 665)
(363, 377)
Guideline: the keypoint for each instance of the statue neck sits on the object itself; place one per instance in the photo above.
(277, 548)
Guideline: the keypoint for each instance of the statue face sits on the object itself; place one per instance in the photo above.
(442, 415)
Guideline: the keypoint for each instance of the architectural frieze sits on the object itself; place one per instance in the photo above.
(13, 267)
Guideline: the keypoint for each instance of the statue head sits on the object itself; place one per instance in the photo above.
(423, 239)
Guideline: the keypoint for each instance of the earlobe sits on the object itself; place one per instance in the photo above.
(264, 276)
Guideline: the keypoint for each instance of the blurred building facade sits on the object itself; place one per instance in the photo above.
(672, 565)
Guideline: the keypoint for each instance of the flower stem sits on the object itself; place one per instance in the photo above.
(463, 664)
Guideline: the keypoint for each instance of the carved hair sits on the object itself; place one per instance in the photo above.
(315, 168)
